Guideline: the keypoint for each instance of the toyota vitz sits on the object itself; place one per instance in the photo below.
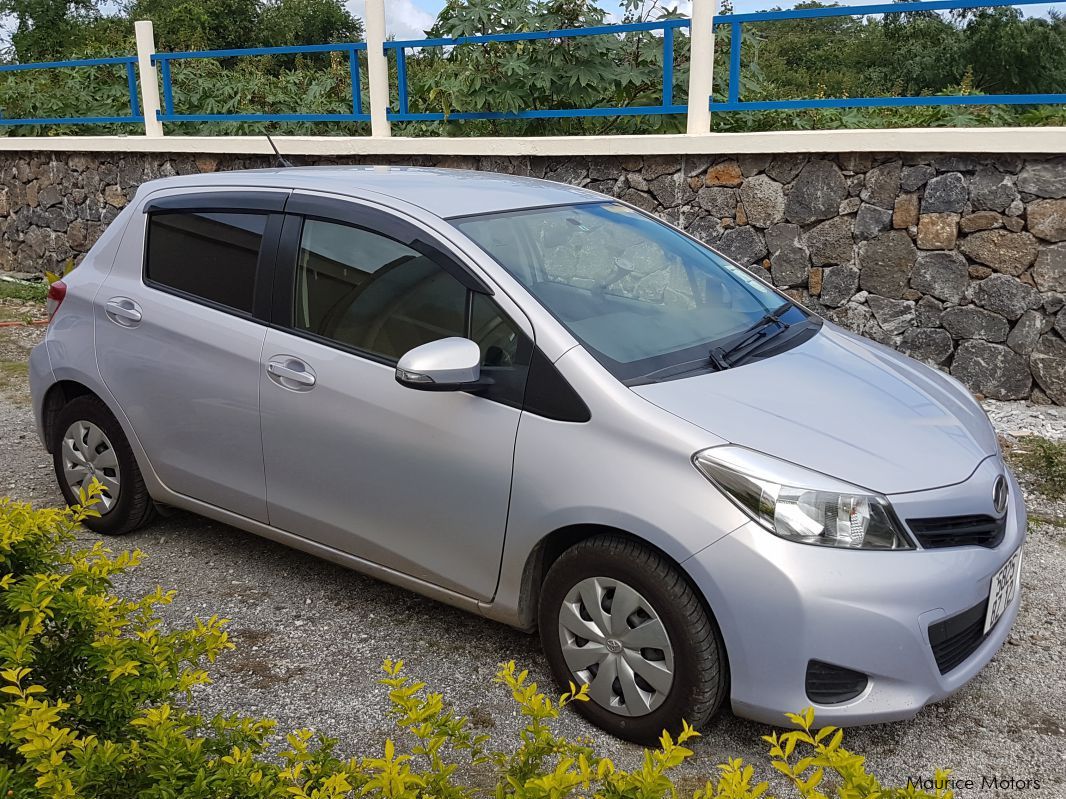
(545, 406)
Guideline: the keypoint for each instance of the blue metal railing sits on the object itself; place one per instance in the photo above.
(666, 106)
(735, 21)
(664, 29)
(168, 114)
(131, 87)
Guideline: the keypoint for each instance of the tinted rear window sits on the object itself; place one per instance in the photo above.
(207, 255)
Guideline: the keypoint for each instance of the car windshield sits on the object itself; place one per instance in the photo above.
(639, 295)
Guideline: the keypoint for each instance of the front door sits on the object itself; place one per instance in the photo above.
(415, 481)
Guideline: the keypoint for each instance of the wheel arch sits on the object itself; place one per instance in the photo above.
(71, 385)
(58, 395)
(554, 544)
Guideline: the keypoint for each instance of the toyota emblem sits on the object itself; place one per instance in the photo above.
(999, 494)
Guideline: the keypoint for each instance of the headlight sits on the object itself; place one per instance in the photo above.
(799, 504)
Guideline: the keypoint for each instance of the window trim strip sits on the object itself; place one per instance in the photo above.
(234, 201)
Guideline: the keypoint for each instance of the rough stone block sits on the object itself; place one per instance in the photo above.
(937, 231)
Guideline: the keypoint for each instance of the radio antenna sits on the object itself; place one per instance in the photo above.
(282, 160)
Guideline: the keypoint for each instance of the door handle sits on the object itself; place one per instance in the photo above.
(123, 311)
(292, 370)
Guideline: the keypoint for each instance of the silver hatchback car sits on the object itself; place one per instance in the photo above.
(545, 406)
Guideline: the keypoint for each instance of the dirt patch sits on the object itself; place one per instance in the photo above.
(15, 345)
(19, 309)
(1044, 462)
(250, 638)
(261, 674)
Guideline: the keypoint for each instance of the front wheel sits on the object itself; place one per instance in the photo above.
(619, 616)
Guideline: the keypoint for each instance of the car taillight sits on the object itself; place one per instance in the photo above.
(56, 293)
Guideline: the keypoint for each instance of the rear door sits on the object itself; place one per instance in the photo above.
(415, 481)
(180, 327)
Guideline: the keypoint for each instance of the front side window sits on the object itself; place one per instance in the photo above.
(376, 295)
(372, 293)
(505, 350)
(210, 256)
(638, 294)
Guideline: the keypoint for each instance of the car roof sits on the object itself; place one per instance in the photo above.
(442, 192)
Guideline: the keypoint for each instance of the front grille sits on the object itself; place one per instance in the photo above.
(955, 639)
(958, 531)
(830, 685)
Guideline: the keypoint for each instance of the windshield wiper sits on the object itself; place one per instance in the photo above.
(755, 335)
(721, 359)
(675, 370)
(774, 317)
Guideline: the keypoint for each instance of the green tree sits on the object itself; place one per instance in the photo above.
(995, 50)
(104, 36)
(1010, 54)
(46, 29)
(915, 53)
(199, 24)
(299, 22)
(798, 57)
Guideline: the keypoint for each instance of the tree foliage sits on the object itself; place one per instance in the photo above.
(564, 73)
(47, 29)
(58, 29)
(910, 54)
(298, 22)
(199, 24)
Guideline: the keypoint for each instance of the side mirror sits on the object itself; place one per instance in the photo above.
(449, 364)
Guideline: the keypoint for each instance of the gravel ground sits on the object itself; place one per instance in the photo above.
(1018, 419)
(311, 638)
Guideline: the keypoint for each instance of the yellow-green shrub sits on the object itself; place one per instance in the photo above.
(95, 702)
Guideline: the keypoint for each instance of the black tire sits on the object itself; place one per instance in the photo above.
(701, 671)
(134, 507)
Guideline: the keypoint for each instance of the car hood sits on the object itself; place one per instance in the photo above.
(843, 406)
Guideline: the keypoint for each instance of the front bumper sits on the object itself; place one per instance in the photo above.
(781, 604)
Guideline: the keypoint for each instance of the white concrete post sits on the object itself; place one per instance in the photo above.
(149, 83)
(701, 66)
(377, 68)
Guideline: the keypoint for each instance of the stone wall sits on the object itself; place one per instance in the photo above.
(959, 261)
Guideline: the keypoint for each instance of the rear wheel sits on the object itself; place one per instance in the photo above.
(620, 617)
(88, 444)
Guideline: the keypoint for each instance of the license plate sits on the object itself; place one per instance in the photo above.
(1004, 589)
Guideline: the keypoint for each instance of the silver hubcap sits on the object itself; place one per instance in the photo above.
(87, 454)
(614, 641)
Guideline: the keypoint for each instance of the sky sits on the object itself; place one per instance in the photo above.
(407, 19)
